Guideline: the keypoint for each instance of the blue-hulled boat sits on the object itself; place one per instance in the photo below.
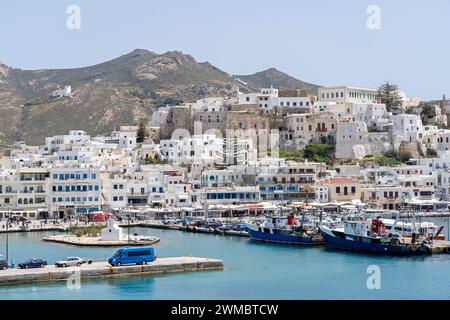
(372, 236)
(284, 230)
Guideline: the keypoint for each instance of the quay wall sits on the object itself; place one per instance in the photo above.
(104, 270)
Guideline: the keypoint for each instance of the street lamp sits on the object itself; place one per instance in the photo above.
(7, 238)
(129, 218)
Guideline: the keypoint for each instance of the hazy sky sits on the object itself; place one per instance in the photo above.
(326, 42)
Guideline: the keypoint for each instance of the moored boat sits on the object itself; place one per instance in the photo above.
(372, 236)
(284, 230)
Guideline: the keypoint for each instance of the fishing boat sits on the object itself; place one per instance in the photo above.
(408, 229)
(372, 236)
(284, 230)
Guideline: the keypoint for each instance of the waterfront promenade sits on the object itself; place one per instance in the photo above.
(51, 225)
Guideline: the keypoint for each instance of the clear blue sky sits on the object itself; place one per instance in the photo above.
(325, 42)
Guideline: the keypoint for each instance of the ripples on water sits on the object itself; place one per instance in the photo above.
(253, 270)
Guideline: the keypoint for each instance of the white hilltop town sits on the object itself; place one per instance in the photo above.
(243, 154)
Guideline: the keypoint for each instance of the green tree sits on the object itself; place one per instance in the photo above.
(156, 160)
(141, 133)
(431, 153)
(302, 93)
(390, 96)
(428, 112)
(400, 155)
(319, 152)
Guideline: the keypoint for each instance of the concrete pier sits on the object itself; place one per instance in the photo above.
(104, 270)
(98, 242)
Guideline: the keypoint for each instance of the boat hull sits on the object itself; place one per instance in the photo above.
(339, 243)
(281, 238)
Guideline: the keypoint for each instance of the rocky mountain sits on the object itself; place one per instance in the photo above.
(277, 79)
(123, 91)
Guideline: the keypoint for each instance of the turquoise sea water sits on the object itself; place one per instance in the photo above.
(253, 270)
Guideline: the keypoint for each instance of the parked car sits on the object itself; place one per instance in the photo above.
(171, 220)
(240, 227)
(32, 263)
(199, 223)
(72, 261)
(225, 227)
(212, 224)
(186, 222)
(132, 256)
(3, 263)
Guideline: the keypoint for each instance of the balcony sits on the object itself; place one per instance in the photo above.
(26, 179)
(137, 194)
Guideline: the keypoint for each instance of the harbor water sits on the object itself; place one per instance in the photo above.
(252, 270)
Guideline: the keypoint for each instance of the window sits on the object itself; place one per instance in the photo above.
(138, 253)
(338, 189)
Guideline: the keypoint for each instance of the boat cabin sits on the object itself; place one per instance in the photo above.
(369, 228)
(280, 222)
